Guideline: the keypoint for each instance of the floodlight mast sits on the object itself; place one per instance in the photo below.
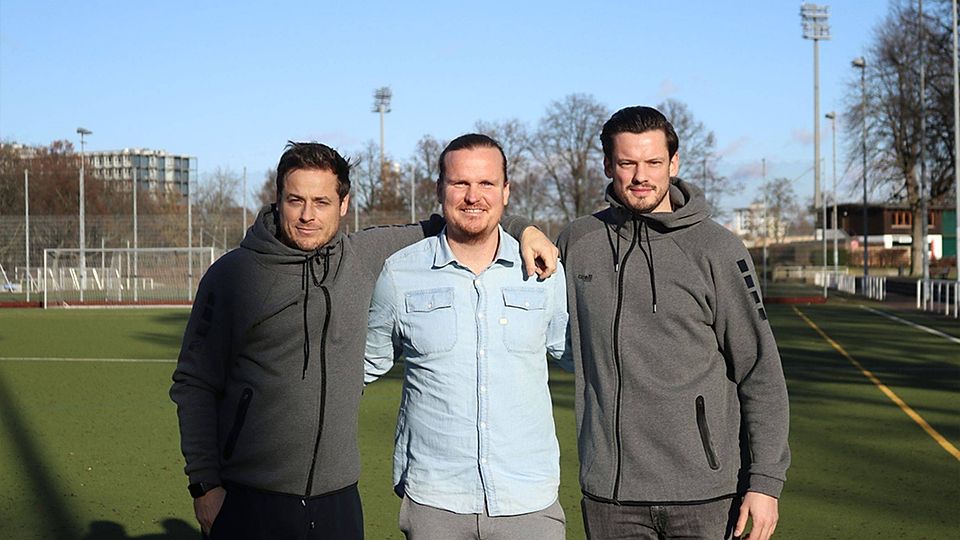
(816, 27)
(861, 64)
(381, 104)
(83, 243)
(832, 116)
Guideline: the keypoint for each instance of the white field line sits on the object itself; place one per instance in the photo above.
(913, 324)
(112, 360)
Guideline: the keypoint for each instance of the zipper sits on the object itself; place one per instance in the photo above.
(323, 388)
(617, 361)
(705, 434)
(242, 407)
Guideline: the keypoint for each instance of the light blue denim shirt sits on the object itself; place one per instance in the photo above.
(476, 421)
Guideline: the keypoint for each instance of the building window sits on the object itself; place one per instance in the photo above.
(902, 218)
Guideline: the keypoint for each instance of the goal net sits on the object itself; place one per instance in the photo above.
(123, 276)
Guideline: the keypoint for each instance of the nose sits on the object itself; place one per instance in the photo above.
(472, 195)
(308, 213)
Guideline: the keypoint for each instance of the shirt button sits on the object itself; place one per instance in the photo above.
(526, 304)
(483, 389)
(481, 352)
(483, 460)
(429, 306)
(479, 315)
(483, 425)
(476, 282)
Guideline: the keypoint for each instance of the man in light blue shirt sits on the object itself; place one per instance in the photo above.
(476, 452)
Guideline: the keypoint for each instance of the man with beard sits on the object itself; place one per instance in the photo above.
(476, 451)
(270, 374)
(681, 403)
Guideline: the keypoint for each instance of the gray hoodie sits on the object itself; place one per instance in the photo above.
(270, 374)
(680, 396)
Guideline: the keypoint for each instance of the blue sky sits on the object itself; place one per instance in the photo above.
(231, 82)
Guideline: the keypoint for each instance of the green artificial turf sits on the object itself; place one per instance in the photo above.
(91, 450)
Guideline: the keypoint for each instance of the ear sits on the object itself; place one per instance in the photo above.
(440, 191)
(344, 204)
(506, 193)
(675, 164)
(607, 168)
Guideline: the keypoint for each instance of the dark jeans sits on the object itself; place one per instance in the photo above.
(710, 521)
(249, 513)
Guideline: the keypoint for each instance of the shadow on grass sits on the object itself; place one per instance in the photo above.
(173, 529)
(58, 520)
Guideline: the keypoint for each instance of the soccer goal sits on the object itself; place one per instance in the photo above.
(123, 276)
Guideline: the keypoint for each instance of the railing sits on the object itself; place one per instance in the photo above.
(875, 287)
(938, 296)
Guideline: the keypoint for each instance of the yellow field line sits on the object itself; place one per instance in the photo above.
(950, 448)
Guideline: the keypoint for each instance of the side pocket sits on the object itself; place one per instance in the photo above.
(705, 435)
(241, 415)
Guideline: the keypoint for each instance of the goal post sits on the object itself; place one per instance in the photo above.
(123, 276)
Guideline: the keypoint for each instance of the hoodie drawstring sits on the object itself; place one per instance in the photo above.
(616, 250)
(308, 280)
(651, 266)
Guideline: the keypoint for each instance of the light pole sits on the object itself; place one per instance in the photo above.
(861, 64)
(921, 159)
(956, 152)
(83, 232)
(816, 27)
(832, 116)
(413, 193)
(381, 104)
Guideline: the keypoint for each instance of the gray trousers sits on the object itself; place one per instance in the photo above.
(709, 521)
(421, 522)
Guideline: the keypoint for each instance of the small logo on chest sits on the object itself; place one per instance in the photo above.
(587, 278)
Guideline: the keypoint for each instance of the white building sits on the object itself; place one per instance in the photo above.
(156, 170)
(748, 224)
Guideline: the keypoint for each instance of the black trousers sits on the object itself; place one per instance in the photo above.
(249, 513)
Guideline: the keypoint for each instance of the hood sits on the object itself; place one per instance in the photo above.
(314, 268)
(638, 229)
(261, 238)
(689, 208)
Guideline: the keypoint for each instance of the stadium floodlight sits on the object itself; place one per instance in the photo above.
(816, 27)
(861, 64)
(83, 241)
(832, 116)
(381, 104)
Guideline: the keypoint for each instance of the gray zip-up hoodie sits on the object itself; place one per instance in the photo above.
(680, 396)
(270, 374)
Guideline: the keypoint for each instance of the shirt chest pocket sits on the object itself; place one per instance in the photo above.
(430, 322)
(524, 319)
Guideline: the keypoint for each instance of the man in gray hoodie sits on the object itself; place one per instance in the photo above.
(681, 404)
(270, 373)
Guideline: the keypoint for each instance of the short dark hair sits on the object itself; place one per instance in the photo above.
(637, 120)
(469, 142)
(313, 155)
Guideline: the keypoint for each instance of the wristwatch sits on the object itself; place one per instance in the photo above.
(200, 488)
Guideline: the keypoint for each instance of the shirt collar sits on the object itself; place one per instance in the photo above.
(508, 251)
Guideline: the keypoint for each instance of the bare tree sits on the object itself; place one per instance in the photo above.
(893, 110)
(268, 190)
(424, 166)
(782, 209)
(698, 154)
(567, 148)
(529, 192)
(217, 209)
